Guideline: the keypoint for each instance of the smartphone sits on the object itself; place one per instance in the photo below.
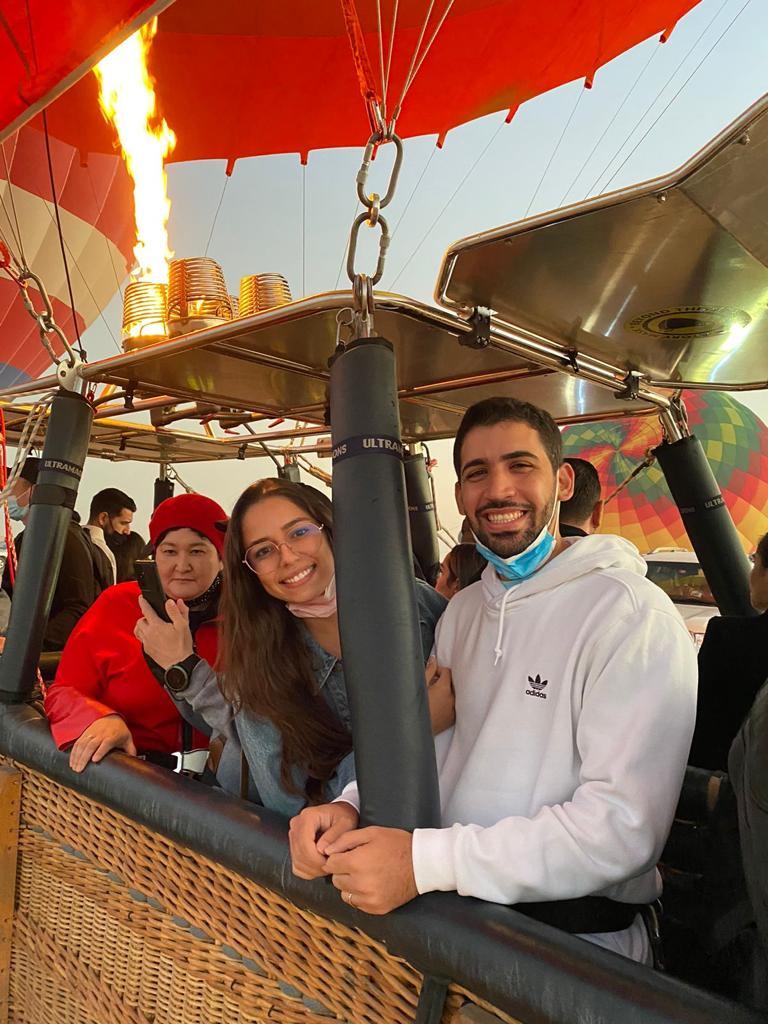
(149, 582)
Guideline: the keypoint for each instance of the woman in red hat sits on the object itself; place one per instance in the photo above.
(105, 697)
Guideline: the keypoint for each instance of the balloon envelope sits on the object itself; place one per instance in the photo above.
(239, 79)
(96, 209)
(735, 441)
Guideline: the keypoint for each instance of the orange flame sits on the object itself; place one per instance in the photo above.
(127, 97)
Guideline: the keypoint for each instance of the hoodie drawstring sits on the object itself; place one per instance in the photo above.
(498, 649)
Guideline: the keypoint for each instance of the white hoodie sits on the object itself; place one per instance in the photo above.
(574, 715)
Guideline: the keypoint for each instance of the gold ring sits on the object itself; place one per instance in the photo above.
(347, 897)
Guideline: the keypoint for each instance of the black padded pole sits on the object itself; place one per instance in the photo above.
(708, 523)
(378, 614)
(53, 498)
(422, 517)
(163, 490)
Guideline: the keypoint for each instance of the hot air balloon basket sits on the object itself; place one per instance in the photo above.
(115, 923)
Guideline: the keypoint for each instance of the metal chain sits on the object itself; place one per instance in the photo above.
(44, 318)
(362, 284)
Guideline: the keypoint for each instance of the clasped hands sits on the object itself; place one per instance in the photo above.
(371, 867)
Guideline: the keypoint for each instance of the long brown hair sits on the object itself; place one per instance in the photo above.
(266, 667)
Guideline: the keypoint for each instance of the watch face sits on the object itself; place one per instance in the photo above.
(176, 677)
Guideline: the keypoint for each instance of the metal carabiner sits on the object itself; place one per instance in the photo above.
(379, 138)
(383, 246)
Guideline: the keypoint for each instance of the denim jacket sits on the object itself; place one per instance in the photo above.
(259, 739)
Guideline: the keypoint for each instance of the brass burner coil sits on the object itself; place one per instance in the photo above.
(144, 314)
(197, 295)
(262, 291)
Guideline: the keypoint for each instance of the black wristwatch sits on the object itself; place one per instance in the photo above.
(176, 677)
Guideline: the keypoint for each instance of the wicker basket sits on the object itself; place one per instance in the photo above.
(115, 924)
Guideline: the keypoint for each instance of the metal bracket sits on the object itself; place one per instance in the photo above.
(480, 335)
(631, 390)
(573, 360)
(67, 374)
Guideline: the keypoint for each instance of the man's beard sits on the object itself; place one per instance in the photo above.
(114, 539)
(505, 545)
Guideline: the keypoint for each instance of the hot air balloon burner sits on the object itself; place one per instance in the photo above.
(144, 314)
(197, 296)
(262, 291)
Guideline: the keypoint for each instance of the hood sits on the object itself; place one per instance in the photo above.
(582, 555)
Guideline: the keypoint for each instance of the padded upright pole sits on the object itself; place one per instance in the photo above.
(53, 498)
(163, 489)
(378, 614)
(708, 523)
(422, 516)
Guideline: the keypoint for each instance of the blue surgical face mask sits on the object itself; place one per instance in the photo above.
(519, 567)
(16, 511)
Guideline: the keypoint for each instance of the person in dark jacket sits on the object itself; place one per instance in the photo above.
(84, 570)
(733, 665)
(582, 514)
(126, 547)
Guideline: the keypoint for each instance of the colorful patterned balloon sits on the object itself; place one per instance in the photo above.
(735, 441)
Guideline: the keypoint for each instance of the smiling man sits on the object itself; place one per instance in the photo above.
(575, 684)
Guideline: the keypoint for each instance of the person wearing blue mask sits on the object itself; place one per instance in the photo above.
(575, 696)
(84, 571)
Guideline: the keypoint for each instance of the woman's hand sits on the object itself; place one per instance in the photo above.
(440, 695)
(166, 643)
(95, 742)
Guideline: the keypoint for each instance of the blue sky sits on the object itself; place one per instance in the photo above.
(649, 111)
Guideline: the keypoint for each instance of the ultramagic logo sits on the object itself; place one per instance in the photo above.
(387, 443)
(369, 445)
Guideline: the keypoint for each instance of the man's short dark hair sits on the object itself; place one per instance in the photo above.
(586, 493)
(491, 411)
(112, 501)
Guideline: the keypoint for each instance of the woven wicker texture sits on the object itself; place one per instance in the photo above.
(115, 924)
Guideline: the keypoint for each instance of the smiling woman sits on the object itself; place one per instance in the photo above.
(280, 691)
(104, 696)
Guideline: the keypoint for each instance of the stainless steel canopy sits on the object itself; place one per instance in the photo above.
(668, 278)
(275, 363)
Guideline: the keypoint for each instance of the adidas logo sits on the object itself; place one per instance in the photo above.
(537, 685)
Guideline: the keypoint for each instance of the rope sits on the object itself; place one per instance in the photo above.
(395, 12)
(647, 462)
(60, 231)
(663, 112)
(89, 290)
(106, 240)
(413, 72)
(346, 248)
(303, 230)
(591, 189)
(17, 232)
(413, 193)
(582, 90)
(456, 191)
(216, 215)
(610, 124)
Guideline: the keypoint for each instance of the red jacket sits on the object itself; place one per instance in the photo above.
(103, 672)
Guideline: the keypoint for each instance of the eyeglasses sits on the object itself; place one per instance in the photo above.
(264, 557)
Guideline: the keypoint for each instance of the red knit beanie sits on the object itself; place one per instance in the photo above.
(191, 511)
